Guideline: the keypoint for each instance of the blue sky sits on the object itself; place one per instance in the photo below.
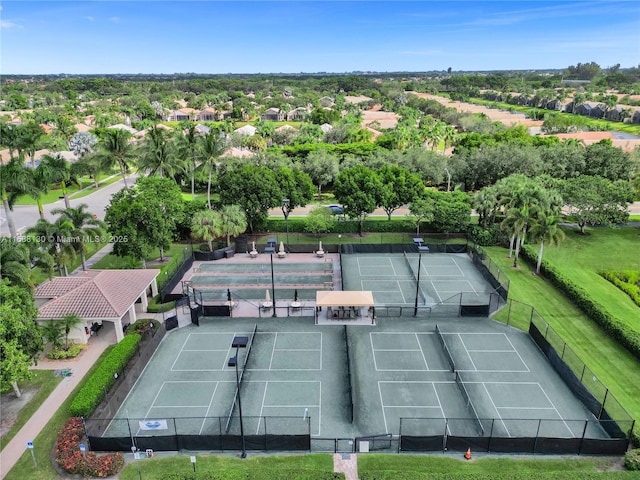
(306, 36)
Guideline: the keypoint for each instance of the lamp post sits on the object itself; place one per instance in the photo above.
(286, 203)
(271, 251)
(238, 343)
(421, 249)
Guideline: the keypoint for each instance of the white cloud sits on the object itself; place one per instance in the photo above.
(7, 24)
(114, 19)
(89, 18)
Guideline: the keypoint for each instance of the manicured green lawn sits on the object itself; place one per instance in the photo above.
(198, 197)
(156, 467)
(44, 442)
(613, 365)
(73, 190)
(43, 380)
(112, 261)
(501, 467)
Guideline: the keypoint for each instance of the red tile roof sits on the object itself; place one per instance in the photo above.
(101, 294)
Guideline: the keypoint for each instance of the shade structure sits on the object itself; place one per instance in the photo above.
(345, 298)
(281, 248)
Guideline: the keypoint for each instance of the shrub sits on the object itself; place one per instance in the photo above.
(94, 390)
(632, 459)
(258, 474)
(142, 326)
(627, 281)
(70, 458)
(61, 354)
(156, 307)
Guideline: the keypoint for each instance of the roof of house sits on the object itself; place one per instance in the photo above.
(97, 294)
(246, 130)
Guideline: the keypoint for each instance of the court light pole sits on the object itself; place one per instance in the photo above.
(421, 249)
(286, 204)
(271, 251)
(238, 343)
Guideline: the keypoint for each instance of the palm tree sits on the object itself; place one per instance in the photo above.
(516, 223)
(83, 228)
(188, 148)
(546, 228)
(88, 165)
(14, 181)
(115, 149)
(233, 221)
(212, 145)
(54, 239)
(56, 169)
(206, 224)
(69, 322)
(485, 203)
(15, 262)
(52, 332)
(157, 155)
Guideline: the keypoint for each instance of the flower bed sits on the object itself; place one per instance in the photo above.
(73, 351)
(71, 459)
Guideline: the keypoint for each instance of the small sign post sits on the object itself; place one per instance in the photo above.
(83, 449)
(33, 455)
(193, 460)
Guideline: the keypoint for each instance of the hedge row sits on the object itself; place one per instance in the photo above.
(257, 474)
(94, 390)
(615, 328)
(155, 307)
(625, 281)
(61, 354)
(404, 475)
(299, 225)
(632, 460)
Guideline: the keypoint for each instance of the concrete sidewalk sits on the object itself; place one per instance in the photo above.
(79, 367)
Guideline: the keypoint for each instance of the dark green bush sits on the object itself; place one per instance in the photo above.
(482, 236)
(155, 307)
(632, 459)
(72, 352)
(142, 326)
(627, 281)
(88, 398)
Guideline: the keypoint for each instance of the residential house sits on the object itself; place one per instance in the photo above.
(298, 114)
(247, 130)
(636, 117)
(598, 111)
(584, 110)
(326, 101)
(555, 105)
(274, 114)
(181, 115)
(209, 115)
(617, 114)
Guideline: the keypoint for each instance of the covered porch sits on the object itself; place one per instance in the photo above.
(344, 308)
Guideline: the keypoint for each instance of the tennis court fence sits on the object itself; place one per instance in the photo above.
(199, 433)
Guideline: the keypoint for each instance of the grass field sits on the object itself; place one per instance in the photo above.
(156, 467)
(111, 261)
(45, 382)
(614, 365)
(45, 441)
(74, 191)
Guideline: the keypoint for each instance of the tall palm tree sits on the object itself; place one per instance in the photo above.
(233, 221)
(69, 322)
(206, 224)
(212, 145)
(83, 228)
(158, 155)
(188, 148)
(485, 203)
(114, 149)
(546, 229)
(53, 331)
(15, 262)
(54, 169)
(14, 181)
(53, 238)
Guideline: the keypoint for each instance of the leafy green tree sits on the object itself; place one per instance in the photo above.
(55, 169)
(69, 322)
(296, 186)
(84, 228)
(53, 333)
(15, 263)
(485, 203)
(604, 160)
(157, 155)
(188, 149)
(206, 225)
(319, 220)
(255, 189)
(211, 147)
(421, 210)
(399, 187)
(452, 212)
(594, 200)
(322, 167)
(56, 240)
(358, 189)
(20, 339)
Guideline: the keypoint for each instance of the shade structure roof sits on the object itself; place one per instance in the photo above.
(98, 294)
(351, 298)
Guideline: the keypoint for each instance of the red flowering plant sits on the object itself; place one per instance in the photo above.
(71, 459)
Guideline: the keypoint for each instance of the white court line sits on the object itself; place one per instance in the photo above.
(297, 349)
(421, 352)
(180, 352)
(264, 395)
(293, 406)
(152, 404)
(373, 350)
(489, 351)
(436, 290)
(398, 349)
(517, 353)
(496, 408)
(458, 267)
(557, 412)
(413, 406)
(384, 415)
(284, 370)
(204, 350)
(468, 354)
(433, 385)
(273, 350)
(472, 288)
(208, 408)
(527, 408)
(321, 351)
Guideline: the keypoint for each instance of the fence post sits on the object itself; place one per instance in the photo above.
(509, 312)
(584, 367)
(493, 422)
(604, 400)
(584, 432)
(535, 443)
(564, 347)
(444, 437)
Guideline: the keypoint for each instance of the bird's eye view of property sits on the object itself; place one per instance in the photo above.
(317, 240)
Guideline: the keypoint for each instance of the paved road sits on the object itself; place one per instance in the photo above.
(25, 216)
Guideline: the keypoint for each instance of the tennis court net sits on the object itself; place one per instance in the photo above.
(415, 277)
(241, 377)
(349, 373)
(447, 352)
(465, 394)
